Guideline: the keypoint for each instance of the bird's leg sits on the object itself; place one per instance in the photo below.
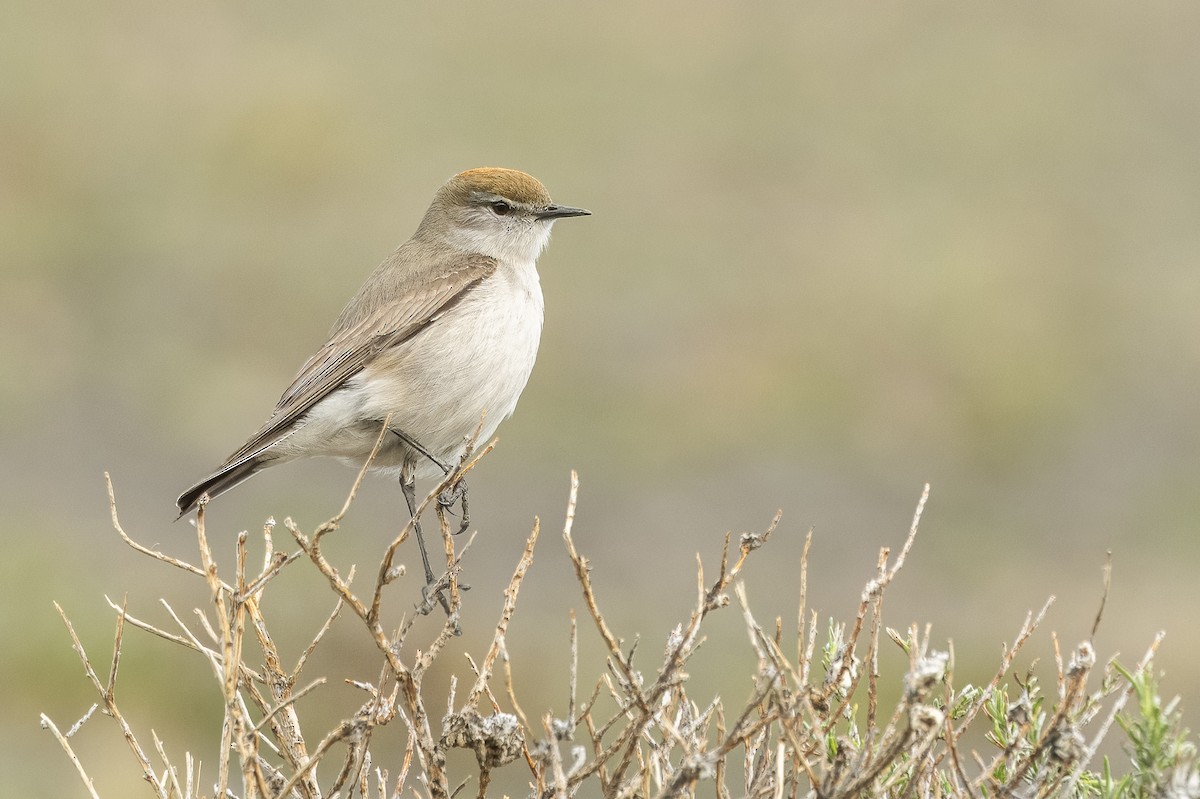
(408, 485)
(412, 442)
(450, 496)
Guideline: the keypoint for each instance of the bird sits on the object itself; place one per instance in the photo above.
(443, 334)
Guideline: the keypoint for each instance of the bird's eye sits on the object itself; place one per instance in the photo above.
(501, 208)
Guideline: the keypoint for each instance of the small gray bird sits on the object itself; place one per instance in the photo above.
(444, 331)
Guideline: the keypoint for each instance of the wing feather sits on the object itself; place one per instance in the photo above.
(352, 346)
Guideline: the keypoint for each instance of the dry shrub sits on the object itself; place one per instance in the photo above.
(812, 725)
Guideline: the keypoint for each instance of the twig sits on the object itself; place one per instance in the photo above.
(582, 574)
(510, 605)
(153, 553)
(1114, 712)
(291, 700)
(110, 706)
(47, 724)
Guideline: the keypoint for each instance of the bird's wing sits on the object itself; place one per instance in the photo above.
(353, 346)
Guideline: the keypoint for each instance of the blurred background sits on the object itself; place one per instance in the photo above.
(835, 253)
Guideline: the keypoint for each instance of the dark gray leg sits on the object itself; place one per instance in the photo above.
(446, 499)
(408, 486)
(412, 442)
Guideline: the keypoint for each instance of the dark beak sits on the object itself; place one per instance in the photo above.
(560, 211)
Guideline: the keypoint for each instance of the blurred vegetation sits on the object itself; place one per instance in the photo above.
(836, 252)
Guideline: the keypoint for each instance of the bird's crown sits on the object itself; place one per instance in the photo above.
(507, 183)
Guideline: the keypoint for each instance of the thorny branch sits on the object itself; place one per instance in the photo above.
(638, 732)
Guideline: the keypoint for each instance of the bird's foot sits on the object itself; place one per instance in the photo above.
(433, 594)
(451, 497)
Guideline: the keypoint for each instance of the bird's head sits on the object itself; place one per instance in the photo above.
(497, 212)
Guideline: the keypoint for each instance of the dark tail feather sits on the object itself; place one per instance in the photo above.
(218, 483)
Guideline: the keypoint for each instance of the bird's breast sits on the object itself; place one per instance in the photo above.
(474, 359)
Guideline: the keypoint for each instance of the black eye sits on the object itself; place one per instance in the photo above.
(501, 208)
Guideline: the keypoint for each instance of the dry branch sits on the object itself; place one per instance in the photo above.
(810, 724)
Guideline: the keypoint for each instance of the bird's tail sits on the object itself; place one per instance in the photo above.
(225, 478)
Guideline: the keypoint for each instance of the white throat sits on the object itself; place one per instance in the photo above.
(520, 243)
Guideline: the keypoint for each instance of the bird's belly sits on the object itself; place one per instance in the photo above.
(469, 366)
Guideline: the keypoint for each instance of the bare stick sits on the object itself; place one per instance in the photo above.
(1103, 594)
(1115, 711)
(47, 724)
(110, 706)
(337, 609)
(510, 606)
(153, 553)
(332, 524)
(801, 660)
(582, 574)
(171, 772)
(269, 715)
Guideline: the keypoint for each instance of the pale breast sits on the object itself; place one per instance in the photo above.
(475, 359)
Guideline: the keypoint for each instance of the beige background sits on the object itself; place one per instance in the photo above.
(836, 253)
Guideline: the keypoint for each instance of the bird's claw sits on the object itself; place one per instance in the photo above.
(450, 497)
(433, 594)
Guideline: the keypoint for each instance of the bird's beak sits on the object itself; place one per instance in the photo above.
(560, 211)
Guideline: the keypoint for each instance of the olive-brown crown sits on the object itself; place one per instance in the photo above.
(510, 184)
